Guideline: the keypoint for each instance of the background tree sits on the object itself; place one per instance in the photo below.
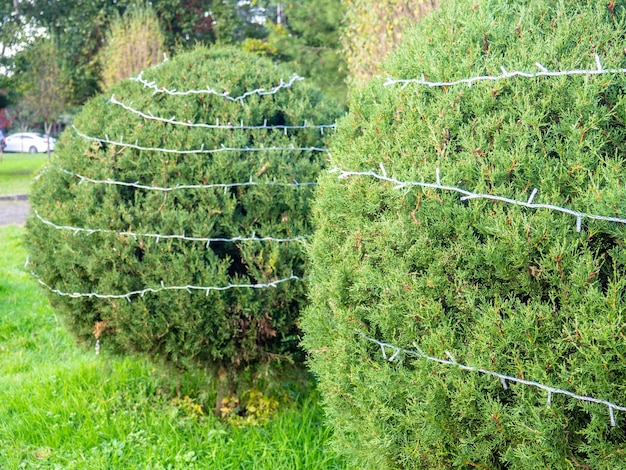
(373, 29)
(134, 41)
(304, 34)
(17, 33)
(11, 22)
(186, 22)
(80, 27)
(310, 41)
(46, 86)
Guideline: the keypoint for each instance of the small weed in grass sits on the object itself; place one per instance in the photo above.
(17, 170)
(62, 406)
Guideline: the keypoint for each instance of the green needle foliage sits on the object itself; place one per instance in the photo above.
(510, 289)
(229, 328)
(63, 407)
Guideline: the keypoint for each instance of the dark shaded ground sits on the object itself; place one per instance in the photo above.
(13, 209)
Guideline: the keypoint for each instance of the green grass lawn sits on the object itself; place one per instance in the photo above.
(64, 407)
(17, 170)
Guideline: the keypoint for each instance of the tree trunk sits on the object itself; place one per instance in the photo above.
(48, 128)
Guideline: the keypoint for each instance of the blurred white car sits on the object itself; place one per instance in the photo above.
(28, 142)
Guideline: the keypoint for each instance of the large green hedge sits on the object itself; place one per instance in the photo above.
(230, 327)
(494, 285)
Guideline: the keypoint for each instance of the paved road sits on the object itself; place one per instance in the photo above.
(13, 210)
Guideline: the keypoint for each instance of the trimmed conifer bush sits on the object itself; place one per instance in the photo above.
(227, 303)
(485, 283)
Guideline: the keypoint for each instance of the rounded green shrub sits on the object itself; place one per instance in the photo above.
(450, 280)
(100, 226)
